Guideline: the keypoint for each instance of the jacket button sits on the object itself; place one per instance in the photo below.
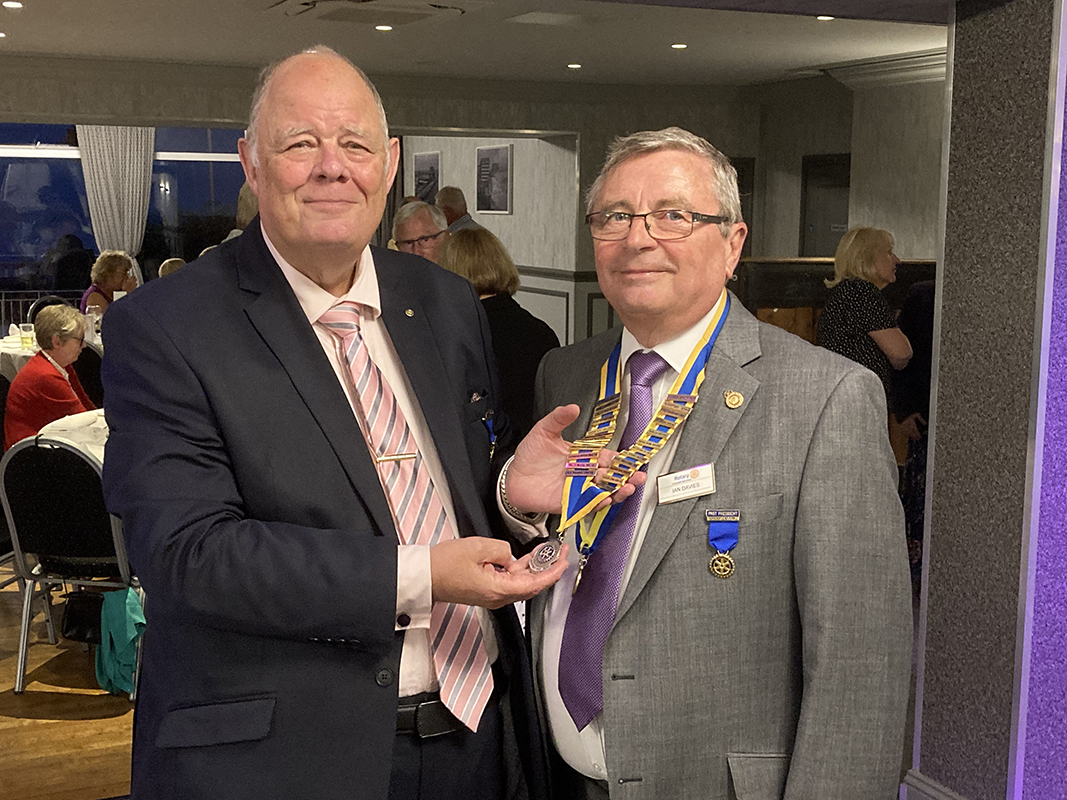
(403, 620)
(384, 677)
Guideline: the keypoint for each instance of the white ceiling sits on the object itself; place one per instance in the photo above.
(623, 43)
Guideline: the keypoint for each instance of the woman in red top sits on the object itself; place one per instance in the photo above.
(47, 388)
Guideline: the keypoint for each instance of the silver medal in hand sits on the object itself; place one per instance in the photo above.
(545, 555)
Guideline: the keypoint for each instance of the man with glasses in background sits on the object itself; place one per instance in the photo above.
(421, 229)
(741, 626)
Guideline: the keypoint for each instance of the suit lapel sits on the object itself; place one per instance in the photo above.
(434, 389)
(703, 438)
(276, 315)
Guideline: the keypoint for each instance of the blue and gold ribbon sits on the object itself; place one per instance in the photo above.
(581, 493)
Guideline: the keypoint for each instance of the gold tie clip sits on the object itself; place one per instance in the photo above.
(395, 457)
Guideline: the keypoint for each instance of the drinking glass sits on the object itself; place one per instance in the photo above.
(26, 337)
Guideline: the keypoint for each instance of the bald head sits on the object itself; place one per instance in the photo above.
(266, 77)
(319, 162)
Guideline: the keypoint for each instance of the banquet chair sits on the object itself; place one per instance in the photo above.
(60, 531)
(88, 368)
(44, 302)
(7, 555)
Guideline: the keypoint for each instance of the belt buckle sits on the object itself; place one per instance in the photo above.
(434, 719)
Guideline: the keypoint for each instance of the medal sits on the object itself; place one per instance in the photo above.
(545, 555)
(722, 565)
(582, 561)
(722, 538)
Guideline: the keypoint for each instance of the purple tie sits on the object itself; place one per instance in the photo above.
(592, 610)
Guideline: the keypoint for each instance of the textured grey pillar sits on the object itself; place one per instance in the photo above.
(1002, 167)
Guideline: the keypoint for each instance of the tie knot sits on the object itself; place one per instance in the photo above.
(342, 319)
(646, 368)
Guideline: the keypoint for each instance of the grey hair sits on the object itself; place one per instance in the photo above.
(263, 84)
(409, 211)
(63, 321)
(451, 197)
(724, 176)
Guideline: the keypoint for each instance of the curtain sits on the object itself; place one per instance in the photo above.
(117, 162)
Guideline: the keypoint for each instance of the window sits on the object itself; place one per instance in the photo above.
(196, 178)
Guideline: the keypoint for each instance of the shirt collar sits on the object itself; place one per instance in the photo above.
(315, 301)
(55, 364)
(677, 350)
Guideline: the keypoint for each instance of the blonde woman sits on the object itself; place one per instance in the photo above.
(112, 272)
(857, 321)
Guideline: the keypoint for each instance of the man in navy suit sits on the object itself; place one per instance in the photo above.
(289, 649)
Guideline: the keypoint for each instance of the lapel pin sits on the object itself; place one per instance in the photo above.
(408, 312)
(733, 399)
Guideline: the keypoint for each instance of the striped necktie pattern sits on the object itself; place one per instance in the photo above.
(459, 654)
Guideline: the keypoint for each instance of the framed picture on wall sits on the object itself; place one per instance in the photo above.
(427, 175)
(494, 179)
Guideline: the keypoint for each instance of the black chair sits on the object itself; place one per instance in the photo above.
(44, 302)
(88, 369)
(60, 530)
(7, 555)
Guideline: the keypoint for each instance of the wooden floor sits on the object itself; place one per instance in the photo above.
(64, 738)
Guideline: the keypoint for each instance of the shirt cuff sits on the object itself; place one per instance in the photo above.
(414, 588)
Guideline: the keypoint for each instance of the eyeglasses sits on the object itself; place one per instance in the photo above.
(670, 223)
(419, 241)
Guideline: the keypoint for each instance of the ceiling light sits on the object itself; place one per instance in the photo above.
(383, 27)
(574, 66)
(12, 4)
(2, 35)
(679, 46)
(823, 18)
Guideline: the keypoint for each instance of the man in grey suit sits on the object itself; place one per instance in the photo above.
(743, 627)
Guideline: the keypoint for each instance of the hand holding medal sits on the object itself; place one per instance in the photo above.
(533, 481)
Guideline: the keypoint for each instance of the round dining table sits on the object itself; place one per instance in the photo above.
(87, 431)
(13, 356)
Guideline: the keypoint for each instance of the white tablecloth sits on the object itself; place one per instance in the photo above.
(13, 357)
(86, 431)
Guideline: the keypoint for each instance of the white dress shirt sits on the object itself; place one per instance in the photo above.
(584, 750)
(414, 595)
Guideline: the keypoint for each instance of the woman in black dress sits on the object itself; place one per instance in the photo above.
(520, 339)
(857, 322)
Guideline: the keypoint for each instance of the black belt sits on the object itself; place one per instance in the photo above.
(425, 715)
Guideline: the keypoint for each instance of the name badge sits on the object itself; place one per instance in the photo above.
(687, 483)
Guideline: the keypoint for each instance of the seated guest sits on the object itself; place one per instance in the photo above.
(73, 263)
(47, 388)
(451, 200)
(857, 321)
(421, 229)
(519, 338)
(112, 272)
(247, 208)
(171, 265)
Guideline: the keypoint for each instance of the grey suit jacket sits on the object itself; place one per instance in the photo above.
(790, 678)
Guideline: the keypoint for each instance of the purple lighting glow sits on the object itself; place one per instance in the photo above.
(1045, 768)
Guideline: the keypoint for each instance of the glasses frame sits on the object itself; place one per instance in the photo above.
(420, 239)
(715, 219)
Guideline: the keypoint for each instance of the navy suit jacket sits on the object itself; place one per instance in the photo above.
(256, 523)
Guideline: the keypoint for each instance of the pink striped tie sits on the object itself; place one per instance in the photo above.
(459, 655)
